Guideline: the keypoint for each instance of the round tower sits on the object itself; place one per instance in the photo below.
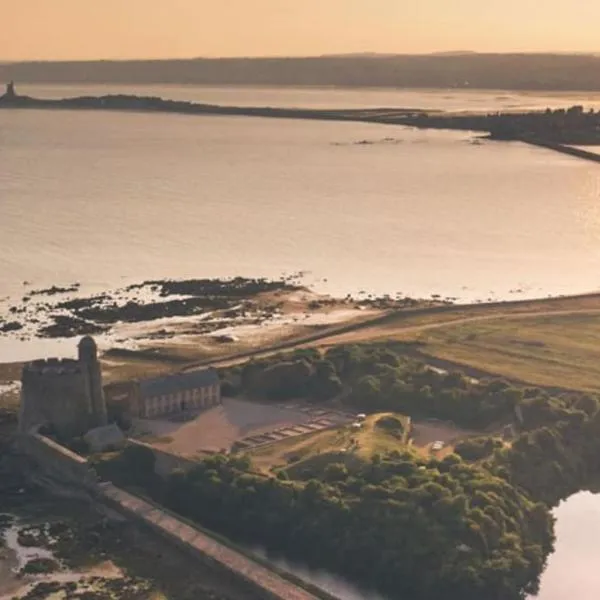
(90, 365)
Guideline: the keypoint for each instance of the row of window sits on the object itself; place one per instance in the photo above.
(199, 398)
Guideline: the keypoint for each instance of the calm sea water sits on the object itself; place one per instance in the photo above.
(308, 97)
(104, 199)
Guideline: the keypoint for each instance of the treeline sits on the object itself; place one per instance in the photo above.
(376, 378)
(468, 70)
(479, 525)
(475, 524)
(557, 458)
(409, 528)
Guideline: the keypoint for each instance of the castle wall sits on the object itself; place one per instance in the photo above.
(258, 577)
(165, 462)
(58, 461)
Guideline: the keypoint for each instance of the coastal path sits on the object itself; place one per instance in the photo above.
(395, 324)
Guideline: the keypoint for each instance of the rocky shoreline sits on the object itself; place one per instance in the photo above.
(210, 305)
(58, 548)
(56, 313)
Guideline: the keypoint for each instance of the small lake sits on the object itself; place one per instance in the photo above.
(572, 571)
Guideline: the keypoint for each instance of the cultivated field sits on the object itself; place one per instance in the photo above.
(549, 350)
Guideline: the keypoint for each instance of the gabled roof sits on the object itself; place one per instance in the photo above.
(171, 384)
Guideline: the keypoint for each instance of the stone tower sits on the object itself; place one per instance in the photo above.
(90, 366)
(10, 90)
(64, 394)
(54, 394)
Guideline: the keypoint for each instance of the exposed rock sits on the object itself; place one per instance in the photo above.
(67, 326)
(39, 566)
(10, 326)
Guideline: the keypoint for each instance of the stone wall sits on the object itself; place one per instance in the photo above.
(261, 580)
(166, 462)
(57, 461)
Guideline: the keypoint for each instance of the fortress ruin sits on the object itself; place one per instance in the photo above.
(64, 395)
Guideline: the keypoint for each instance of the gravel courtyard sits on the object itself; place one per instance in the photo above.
(218, 427)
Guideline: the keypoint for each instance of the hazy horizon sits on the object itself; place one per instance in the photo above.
(157, 29)
(299, 56)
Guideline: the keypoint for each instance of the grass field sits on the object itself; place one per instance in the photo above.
(314, 451)
(561, 350)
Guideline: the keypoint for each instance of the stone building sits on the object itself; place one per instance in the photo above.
(65, 395)
(10, 93)
(167, 395)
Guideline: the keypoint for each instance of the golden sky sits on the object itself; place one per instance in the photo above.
(85, 29)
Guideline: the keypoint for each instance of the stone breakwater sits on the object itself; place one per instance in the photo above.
(262, 581)
(62, 465)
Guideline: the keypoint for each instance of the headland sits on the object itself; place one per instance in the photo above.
(362, 422)
(557, 130)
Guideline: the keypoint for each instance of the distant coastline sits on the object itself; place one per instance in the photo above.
(556, 130)
(450, 71)
(123, 102)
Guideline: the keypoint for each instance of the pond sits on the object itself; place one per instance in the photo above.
(572, 570)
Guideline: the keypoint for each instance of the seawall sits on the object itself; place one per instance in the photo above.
(570, 150)
(165, 462)
(58, 462)
(262, 582)
(62, 466)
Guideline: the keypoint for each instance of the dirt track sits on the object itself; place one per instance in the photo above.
(397, 324)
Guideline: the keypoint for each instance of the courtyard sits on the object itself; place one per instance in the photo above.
(237, 423)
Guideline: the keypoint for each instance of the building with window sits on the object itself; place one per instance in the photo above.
(166, 395)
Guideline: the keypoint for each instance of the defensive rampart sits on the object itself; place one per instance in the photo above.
(65, 466)
(165, 462)
(262, 582)
(58, 462)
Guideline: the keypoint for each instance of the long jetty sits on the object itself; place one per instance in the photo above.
(262, 582)
(569, 150)
(61, 469)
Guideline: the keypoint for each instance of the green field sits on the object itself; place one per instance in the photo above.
(549, 350)
(314, 451)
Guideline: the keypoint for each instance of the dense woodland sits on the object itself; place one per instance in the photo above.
(475, 524)
(419, 530)
(459, 70)
(376, 378)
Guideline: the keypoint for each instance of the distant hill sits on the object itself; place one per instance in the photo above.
(446, 70)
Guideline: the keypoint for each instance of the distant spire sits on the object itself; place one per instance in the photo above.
(10, 90)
